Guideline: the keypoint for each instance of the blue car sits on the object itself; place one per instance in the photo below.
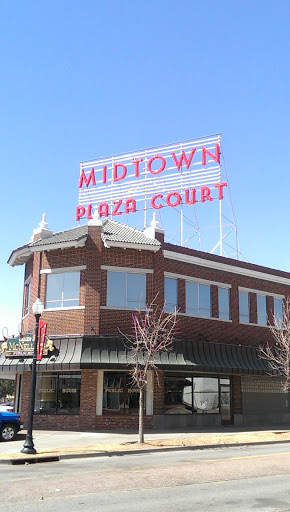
(10, 424)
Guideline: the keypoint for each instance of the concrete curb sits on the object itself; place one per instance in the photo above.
(65, 456)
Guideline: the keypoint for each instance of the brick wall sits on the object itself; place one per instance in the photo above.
(93, 291)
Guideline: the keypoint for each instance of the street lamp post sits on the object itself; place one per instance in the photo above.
(28, 446)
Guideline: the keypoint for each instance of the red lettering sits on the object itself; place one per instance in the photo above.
(104, 174)
(205, 194)
(183, 156)
(205, 151)
(115, 172)
(220, 187)
(163, 164)
(193, 196)
(103, 210)
(116, 207)
(89, 212)
(156, 206)
(83, 178)
(80, 211)
(130, 205)
(169, 196)
(137, 161)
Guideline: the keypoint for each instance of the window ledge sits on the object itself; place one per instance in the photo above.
(254, 325)
(67, 308)
(205, 317)
(122, 308)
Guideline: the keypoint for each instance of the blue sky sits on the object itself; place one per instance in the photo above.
(85, 79)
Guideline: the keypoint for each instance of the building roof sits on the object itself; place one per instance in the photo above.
(69, 235)
(113, 234)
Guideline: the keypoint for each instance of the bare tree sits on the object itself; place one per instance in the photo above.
(278, 354)
(153, 332)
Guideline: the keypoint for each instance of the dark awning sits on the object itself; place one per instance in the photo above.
(90, 352)
(66, 356)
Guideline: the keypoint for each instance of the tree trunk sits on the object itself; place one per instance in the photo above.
(141, 430)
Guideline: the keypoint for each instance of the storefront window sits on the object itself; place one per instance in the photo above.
(119, 395)
(206, 394)
(58, 393)
(188, 395)
(178, 395)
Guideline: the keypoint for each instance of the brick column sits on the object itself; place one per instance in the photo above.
(94, 247)
(181, 295)
(25, 396)
(214, 301)
(88, 399)
(158, 394)
(237, 394)
(158, 277)
(253, 308)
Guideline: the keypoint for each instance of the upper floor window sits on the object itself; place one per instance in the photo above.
(62, 290)
(244, 307)
(261, 309)
(198, 299)
(224, 303)
(170, 294)
(278, 310)
(26, 301)
(125, 289)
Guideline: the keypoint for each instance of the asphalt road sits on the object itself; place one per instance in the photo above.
(242, 479)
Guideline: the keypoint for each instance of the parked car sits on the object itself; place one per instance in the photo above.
(6, 406)
(10, 424)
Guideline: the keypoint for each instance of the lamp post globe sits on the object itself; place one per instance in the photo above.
(28, 446)
(38, 307)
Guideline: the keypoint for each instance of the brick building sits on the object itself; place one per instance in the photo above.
(92, 277)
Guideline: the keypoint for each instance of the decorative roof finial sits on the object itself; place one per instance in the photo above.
(154, 222)
(43, 222)
(95, 221)
(42, 231)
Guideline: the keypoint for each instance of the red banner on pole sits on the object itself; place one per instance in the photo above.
(41, 339)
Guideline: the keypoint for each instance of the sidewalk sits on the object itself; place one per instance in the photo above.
(56, 445)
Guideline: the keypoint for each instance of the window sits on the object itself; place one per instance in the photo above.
(58, 393)
(127, 290)
(261, 309)
(62, 290)
(224, 303)
(170, 294)
(198, 299)
(188, 395)
(244, 307)
(119, 394)
(278, 310)
(26, 301)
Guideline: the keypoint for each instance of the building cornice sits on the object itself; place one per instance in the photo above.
(225, 267)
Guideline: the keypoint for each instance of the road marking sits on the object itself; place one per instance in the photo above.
(237, 458)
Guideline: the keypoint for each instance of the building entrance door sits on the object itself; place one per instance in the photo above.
(225, 402)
